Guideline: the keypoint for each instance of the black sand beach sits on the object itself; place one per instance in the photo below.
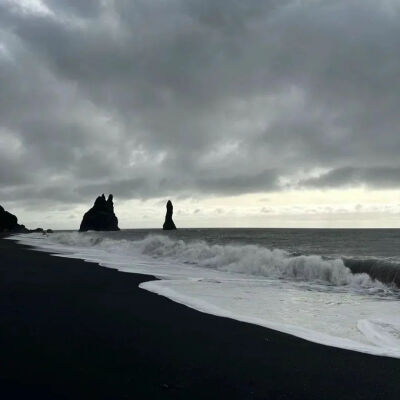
(70, 329)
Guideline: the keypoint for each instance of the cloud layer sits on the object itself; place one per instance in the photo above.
(196, 98)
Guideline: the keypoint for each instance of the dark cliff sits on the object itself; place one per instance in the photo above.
(9, 223)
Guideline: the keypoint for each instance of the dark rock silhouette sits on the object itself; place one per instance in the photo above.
(37, 230)
(101, 216)
(169, 223)
(9, 223)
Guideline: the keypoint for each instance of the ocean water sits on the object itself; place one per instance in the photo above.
(336, 287)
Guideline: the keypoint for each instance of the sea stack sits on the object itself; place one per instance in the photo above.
(9, 223)
(101, 216)
(169, 223)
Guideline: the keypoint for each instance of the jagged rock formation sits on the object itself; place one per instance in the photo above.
(169, 223)
(101, 216)
(9, 223)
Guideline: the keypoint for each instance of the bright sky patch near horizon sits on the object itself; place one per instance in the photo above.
(245, 114)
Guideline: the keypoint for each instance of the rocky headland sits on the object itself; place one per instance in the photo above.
(9, 224)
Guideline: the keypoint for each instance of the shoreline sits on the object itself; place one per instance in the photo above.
(72, 329)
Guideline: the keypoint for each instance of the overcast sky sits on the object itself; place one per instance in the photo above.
(243, 113)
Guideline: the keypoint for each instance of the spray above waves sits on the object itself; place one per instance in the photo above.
(244, 259)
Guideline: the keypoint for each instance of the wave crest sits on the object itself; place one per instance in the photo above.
(245, 259)
(255, 260)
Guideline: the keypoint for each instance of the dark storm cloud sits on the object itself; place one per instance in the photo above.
(149, 98)
(152, 186)
(378, 177)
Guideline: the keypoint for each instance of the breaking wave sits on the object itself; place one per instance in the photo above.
(385, 271)
(244, 259)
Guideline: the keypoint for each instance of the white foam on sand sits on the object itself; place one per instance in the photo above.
(308, 297)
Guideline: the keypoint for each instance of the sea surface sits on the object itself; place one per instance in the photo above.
(338, 287)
